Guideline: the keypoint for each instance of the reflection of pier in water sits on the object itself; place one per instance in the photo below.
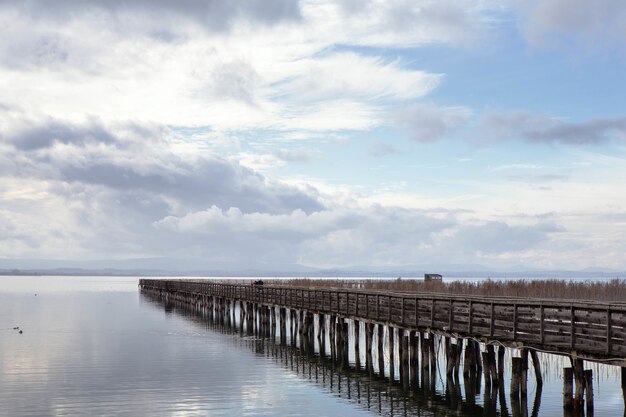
(415, 393)
(406, 337)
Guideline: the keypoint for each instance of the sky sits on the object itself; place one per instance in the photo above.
(326, 134)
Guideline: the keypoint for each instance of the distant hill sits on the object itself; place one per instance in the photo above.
(200, 268)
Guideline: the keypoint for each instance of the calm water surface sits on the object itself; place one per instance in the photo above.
(95, 346)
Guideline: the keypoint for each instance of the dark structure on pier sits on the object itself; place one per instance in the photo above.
(477, 329)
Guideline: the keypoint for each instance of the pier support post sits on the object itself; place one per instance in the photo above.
(380, 351)
(491, 361)
(516, 374)
(432, 351)
(579, 383)
(536, 367)
(413, 360)
(450, 349)
(501, 352)
(283, 325)
(345, 344)
(589, 391)
(623, 371)
(369, 327)
(332, 336)
(469, 360)
(424, 353)
(357, 340)
(568, 374)
(392, 363)
(524, 380)
(404, 357)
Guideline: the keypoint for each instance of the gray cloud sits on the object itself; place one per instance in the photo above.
(215, 15)
(543, 129)
(46, 134)
(128, 164)
(444, 19)
(596, 24)
(427, 123)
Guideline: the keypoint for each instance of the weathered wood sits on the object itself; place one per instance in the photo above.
(588, 374)
(536, 367)
(568, 393)
(380, 351)
(392, 362)
(413, 358)
(593, 330)
(357, 340)
(579, 381)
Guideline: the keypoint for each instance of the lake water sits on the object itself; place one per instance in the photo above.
(96, 346)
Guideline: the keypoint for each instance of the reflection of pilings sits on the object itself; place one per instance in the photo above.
(411, 346)
(537, 401)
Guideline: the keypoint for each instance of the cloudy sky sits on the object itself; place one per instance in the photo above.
(322, 133)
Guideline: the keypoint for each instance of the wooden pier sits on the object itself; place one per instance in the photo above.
(477, 329)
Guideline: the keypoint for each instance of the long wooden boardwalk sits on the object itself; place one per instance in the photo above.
(364, 387)
(477, 327)
(591, 330)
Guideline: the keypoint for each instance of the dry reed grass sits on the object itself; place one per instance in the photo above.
(611, 290)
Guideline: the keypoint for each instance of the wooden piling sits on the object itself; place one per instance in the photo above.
(450, 349)
(413, 360)
(486, 367)
(433, 357)
(392, 363)
(501, 353)
(568, 393)
(536, 367)
(516, 371)
(469, 360)
(380, 351)
(492, 364)
(589, 391)
(357, 340)
(524, 377)
(403, 344)
(579, 381)
(424, 352)
(623, 376)
(345, 344)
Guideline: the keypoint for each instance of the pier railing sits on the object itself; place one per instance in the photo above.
(594, 330)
